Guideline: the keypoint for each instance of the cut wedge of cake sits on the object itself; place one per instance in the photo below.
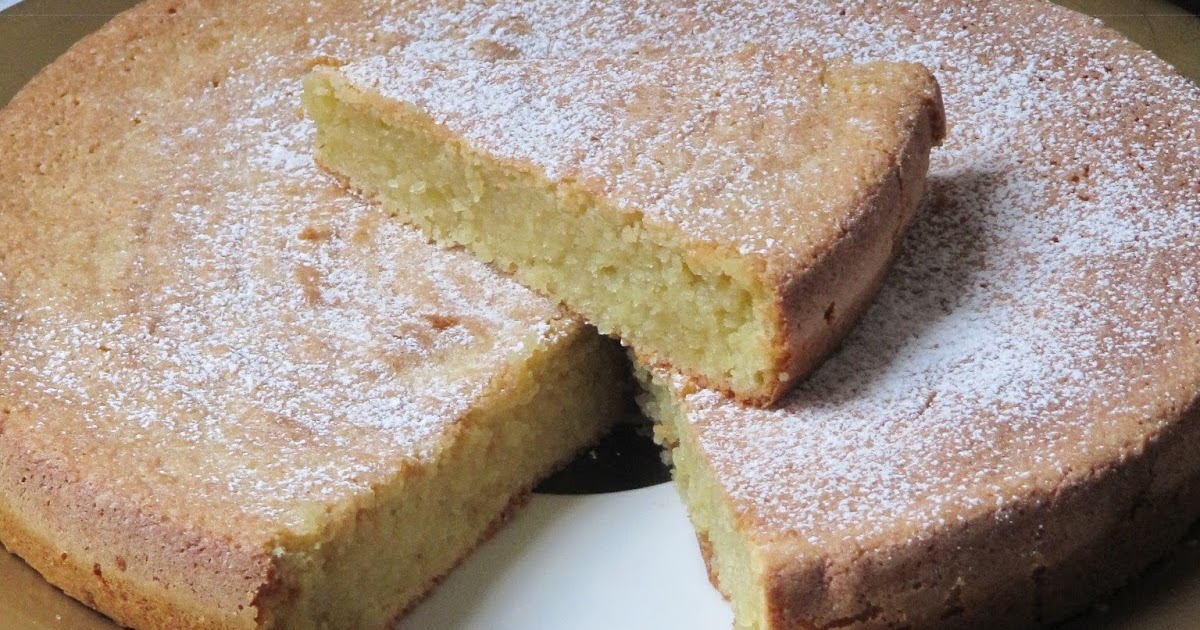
(728, 215)
(231, 396)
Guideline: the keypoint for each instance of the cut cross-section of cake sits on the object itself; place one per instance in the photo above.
(727, 215)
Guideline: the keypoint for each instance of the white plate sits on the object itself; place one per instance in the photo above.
(624, 560)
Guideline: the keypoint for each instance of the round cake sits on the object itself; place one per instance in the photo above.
(1009, 433)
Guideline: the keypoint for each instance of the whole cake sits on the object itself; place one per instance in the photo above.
(1010, 432)
(761, 192)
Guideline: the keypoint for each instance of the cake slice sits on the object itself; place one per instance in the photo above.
(231, 396)
(727, 215)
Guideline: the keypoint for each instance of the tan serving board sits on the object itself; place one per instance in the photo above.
(34, 32)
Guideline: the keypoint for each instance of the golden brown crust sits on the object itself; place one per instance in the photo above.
(1035, 565)
(706, 554)
(140, 570)
(819, 304)
(97, 547)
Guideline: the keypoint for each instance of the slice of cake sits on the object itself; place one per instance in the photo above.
(231, 396)
(728, 215)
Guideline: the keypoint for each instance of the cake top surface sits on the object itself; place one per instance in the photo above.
(766, 152)
(158, 272)
(1042, 320)
(182, 292)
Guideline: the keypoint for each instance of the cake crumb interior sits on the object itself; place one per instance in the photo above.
(732, 562)
(710, 314)
(409, 532)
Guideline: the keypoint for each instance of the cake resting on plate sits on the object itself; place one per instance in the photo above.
(234, 396)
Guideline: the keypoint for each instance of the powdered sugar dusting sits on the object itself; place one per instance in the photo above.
(1042, 315)
(270, 342)
(676, 139)
(1041, 320)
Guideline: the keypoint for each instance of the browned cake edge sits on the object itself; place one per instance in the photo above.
(130, 604)
(819, 303)
(91, 574)
(818, 306)
(146, 569)
(1044, 561)
(33, 486)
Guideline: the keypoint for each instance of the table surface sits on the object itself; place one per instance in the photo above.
(34, 32)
